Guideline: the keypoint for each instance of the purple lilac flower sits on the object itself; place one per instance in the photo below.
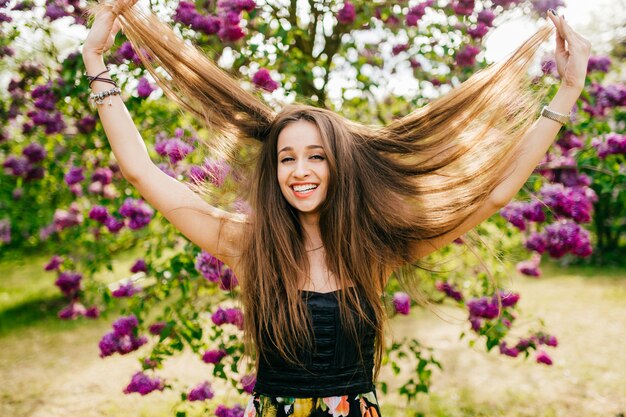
(69, 283)
(599, 63)
(536, 242)
(572, 202)
(92, 312)
(98, 213)
(217, 170)
(542, 357)
(476, 323)
(207, 24)
(213, 356)
(43, 97)
(347, 14)
(103, 175)
(545, 339)
(613, 144)
(513, 213)
(87, 124)
(416, 13)
(185, 12)
(542, 6)
(63, 219)
(247, 382)
(125, 290)
(54, 263)
(125, 325)
(34, 173)
(533, 211)
(72, 311)
(228, 280)
(227, 316)
(508, 299)
(144, 88)
(548, 66)
(156, 328)
(483, 307)
(564, 237)
(201, 392)
(143, 384)
(209, 266)
(397, 49)
(137, 211)
(127, 52)
(530, 267)
(113, 224)
(478, 31)
(505, 3)
(34, 152)
(139, 266)
(17, 166)
(450, 290)
(174, 148)
(74, 175)
(569, 140)
(55, 11)
(486, 16)
(230, 33)
(464, 7)
(262, 79)
(402, 303)
(466, 57)
(236, 411)
(508, 351)
(234, 316)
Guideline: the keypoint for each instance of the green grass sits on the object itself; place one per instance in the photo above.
(54, 369)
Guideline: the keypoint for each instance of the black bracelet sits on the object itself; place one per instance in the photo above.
(97, 78)
(104, 80)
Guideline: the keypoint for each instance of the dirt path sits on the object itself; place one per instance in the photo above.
(59, 373)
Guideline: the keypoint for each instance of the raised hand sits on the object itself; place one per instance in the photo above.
(571, 53)
(102, 33)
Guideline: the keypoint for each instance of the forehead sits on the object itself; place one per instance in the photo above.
(299, 135)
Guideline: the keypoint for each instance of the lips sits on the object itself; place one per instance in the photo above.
(303, 190)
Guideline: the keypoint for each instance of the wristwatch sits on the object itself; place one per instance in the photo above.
(557, 117)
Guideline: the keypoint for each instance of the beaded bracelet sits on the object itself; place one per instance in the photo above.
(98, 98)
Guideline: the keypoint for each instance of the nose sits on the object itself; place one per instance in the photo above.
(301, 170)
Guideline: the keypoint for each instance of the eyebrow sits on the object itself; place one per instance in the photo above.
(289, 148)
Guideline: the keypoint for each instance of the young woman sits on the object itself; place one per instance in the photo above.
(336, 206)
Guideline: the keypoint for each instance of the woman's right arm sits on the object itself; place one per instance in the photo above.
(214, 230)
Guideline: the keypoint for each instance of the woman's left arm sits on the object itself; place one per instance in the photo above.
(572, 67)
(572, 54)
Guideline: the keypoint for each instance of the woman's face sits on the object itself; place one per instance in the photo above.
(302, 166)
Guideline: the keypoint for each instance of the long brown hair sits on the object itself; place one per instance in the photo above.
(390, 186)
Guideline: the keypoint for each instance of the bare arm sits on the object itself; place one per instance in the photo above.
(214, 230)
(572, 67)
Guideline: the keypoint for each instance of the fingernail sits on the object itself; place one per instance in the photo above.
(552, 11)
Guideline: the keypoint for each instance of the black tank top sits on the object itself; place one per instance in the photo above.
(333, 367)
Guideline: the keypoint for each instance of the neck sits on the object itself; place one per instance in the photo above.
(310, 225)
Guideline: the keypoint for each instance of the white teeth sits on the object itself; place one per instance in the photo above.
(305, 187)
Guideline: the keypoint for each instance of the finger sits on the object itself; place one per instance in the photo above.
(560, 43)
(116, 27)
(557, 23)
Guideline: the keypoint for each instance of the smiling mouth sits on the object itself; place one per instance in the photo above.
(303, 190)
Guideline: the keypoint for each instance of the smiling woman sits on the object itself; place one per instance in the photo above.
(336, 206)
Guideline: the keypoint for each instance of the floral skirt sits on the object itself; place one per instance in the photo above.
(358, 405)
